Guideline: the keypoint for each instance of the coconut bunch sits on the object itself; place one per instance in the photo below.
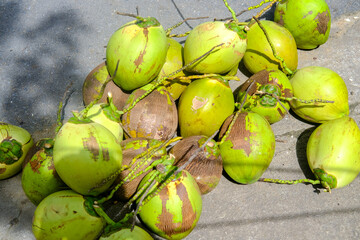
(88, 162)
(160, 124)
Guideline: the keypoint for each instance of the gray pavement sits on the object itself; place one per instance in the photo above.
(46, 44)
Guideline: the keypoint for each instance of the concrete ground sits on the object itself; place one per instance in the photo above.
(46, 44)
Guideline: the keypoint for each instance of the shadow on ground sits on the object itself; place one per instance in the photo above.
(42, 69)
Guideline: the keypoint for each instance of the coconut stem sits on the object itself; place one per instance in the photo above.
(160, 81)
(317, 100)
(233, 14)
(123, 223)
(131, 176)
(306, 101)
(152, 182)
(279, 181)
(130, 15)
(165, 175)
(251, 8)
(168, 31)
(179, 35)
(282, 61)
(160, 185)
(140, 202)
(60, 108)
(147, 155)
(283, 106)
(260, 4)
(204, 76)
(99, 210)
(148, 185)
(265, 9)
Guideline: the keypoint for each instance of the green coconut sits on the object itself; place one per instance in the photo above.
(86, 156)
(309, 21)
(15, 142)
(264, 96)
(104, 115)
(204, 106)
(319, 83)
(64, 215)
(259, 55)
(174, 211)
(249, 147)
(140, 48)
(333, 152)
(174, 61)
(127, 234)
(208, 35)
(39, 177)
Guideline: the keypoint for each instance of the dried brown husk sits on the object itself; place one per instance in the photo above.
(206, 167)
(93, 83)
(155, 116)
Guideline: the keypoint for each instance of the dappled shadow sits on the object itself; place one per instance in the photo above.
(42, 70)
(9, 15)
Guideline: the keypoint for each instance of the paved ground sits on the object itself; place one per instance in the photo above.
(45, 44)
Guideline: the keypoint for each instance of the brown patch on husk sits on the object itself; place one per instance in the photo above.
(91, 87)
(323, 19)
(32, 151)
(166, 224)
(281, 20)
(281, 112)
(155, 116)
(140, 59)
(165, 218)
(206, 168)
(188, 213)
(93, 147)
(286, 92)
(42, 145)
(35, 162)
(239, 136)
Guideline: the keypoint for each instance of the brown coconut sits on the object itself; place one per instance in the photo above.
(206, 167)
(93, 83)
(155, 116)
